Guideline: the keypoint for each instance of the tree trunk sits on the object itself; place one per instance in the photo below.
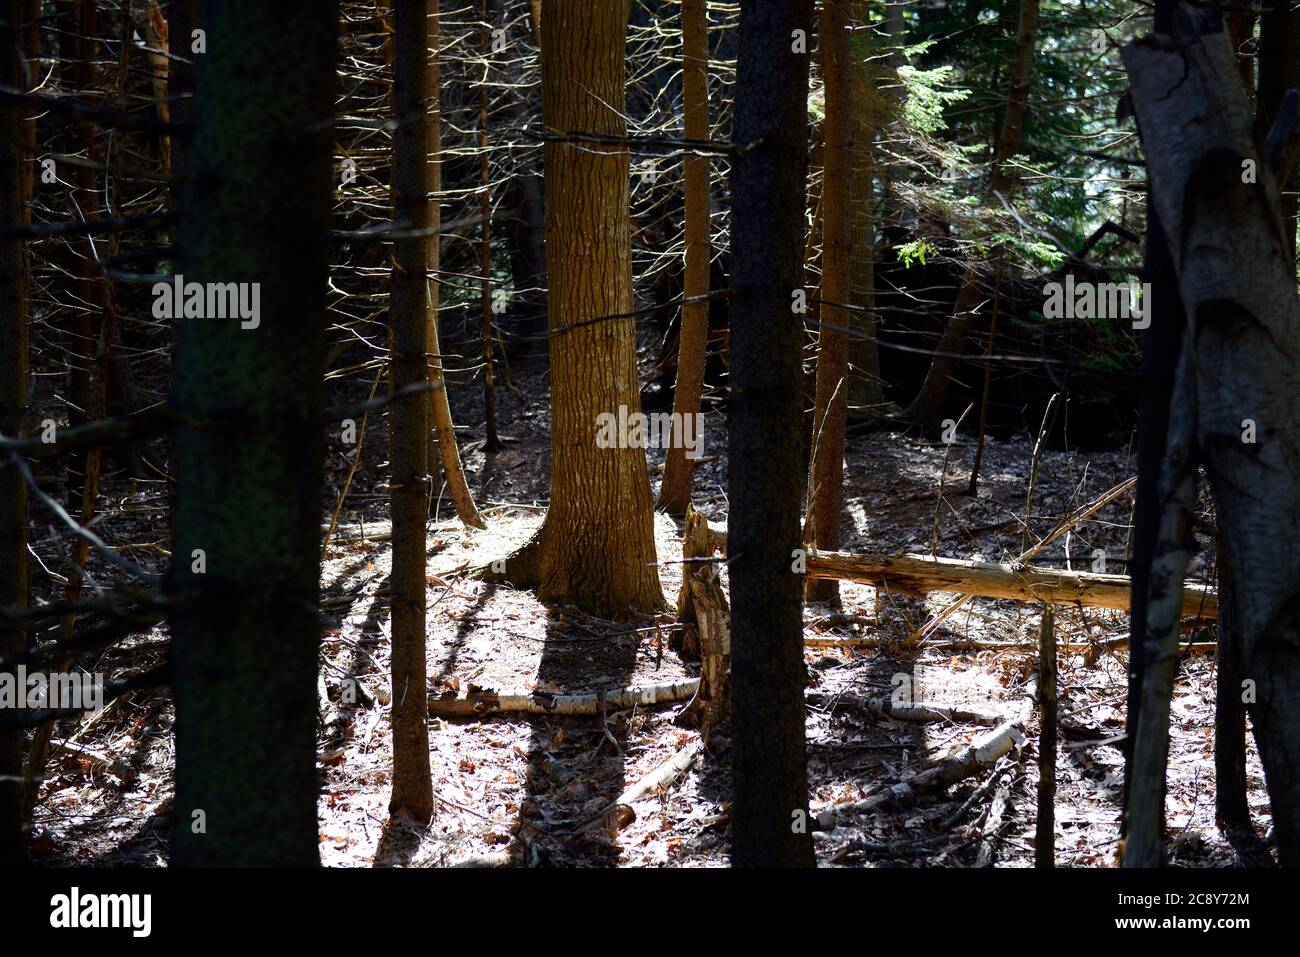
(408, 420)
(78, 45)
(1238, 284)
(1045, 824)
(444, 451)
(675, 493)
(1161, 342)
(1279, 71)
(249, 481)
(491, 440)
(14, 178)
(926, 409)
(866, 398)
(1231, 803)
(596, 547)
(770, 822)
(826, 478)
(1149, 749)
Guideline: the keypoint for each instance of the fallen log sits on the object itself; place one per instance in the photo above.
(484, 702)
(920, 574)
(916, 574)
(977, 644)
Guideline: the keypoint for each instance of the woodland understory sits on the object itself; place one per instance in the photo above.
(523, 789)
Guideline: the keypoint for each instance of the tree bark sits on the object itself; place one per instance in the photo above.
(770, 823)
(826, 479)
(249, 481)
(1045, 824)
(78, 46)
(596, 547)
(491, 441)
(866, 397)
(1231, 803)
(918, 575)
(675, 492)
(444, 451)
(1176, 493)
(408, 420)
(14, 180)
(1236, 277)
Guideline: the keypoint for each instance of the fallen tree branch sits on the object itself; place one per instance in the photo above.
(620, 814)
(885, 707)
(920, 574)
(977, 644)
(485, 702)
(980, 754)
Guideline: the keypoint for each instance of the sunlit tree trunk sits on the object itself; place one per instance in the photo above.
(444, 452)
(826, 479)
(866, 396)
(675, 493)
(596, 547)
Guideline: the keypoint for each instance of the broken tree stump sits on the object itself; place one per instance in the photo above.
(703, 602)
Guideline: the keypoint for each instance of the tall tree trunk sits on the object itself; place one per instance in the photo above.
(1238, 284)
(408, 419)
(1161, 343)
(1279, 71)
(866, 397)
(492, 441)
(79, 47)
(675, 493)
(769, 765)
(249, 480)
(926, 409)
(826, 478)
(14, 180)
(596, 548)
(444, 452)
(182, 21)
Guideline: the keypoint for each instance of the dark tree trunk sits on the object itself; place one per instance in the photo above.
(182, 21)
(408, 418)
(1232, 809)
(770, 785)
(1161, 342)
(13, 400)
(249, 480)
(1238, 285)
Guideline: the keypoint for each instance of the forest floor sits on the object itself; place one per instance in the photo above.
(519, 788)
